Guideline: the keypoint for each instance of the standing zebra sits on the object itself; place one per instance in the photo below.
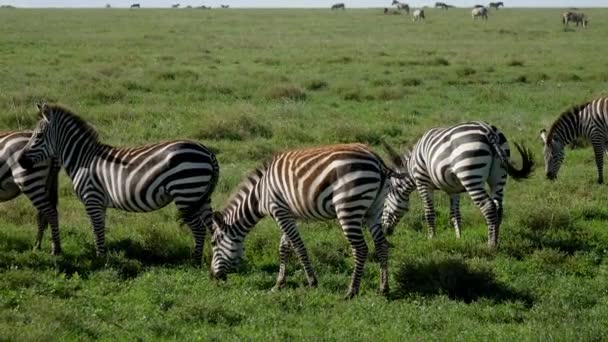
(418, 15)
(577, 18)
(496, 5)
(479, 12)
(401, 6)
(135, 6)
(347, 182)
(39, 184)
(589, 121)
(140, 179)
(441, 5)
(338, 6)
(456, 159)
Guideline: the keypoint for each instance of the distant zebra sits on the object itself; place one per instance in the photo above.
(479, 12)
(225, 6)
(135, 6)
(461, 158)
(588, 121)
(348, 182)
(496, 5)
(175, 6)
(479, 6)
(108, 6)
(39, 184)
(140, 179)
(401, 6)
(418, 15)
(338, 6)
(577, 18)
(441, 5)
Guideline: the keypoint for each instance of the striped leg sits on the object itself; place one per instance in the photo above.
(381, 244)
(488, 209)
(598, 149)
(284, 250)
(47, 214)
(288, 226)
(455, 213)
(351, 225)
(198, 219)
(426, 193)
(42, 223)
(97, 215)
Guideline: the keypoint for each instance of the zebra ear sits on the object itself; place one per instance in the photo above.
(43, 110)
(543, 135)
(218, 219)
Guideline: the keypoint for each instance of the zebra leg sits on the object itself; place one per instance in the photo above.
(429, 210)
(284, 250)
(198, 220)
(351, 225)
(381, 245)
(598, 150)
(97, 216)
(42, 223)
(47, 215)
(455, 213)
(288, 226)
(488, 209)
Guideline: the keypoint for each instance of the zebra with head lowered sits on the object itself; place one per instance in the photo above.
(401, 6)
(39, 184)
(588, 121)
(347, 182)
(339, 5)
(441, 5)
(577, 18)
(496, 5)
(461, 158)
(139, 179)
(418, 15)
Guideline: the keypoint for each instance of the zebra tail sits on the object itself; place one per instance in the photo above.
(527, 161)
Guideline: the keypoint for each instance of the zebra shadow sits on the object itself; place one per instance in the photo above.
(454, 278)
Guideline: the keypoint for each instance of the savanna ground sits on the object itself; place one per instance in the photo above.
(251, 82)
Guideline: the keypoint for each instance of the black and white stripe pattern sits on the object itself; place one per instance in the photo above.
(577, 18)
(588, 121)
(401, 6)
(347, 182)
(39, 184)
(140, 179)
(496, 5)
(479, 12)
(418, 15)
(462, 158)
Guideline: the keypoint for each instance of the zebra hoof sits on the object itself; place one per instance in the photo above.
(56, 252)
(350, 295)
(313, 283)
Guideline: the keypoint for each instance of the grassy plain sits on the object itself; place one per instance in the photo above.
(251, 82)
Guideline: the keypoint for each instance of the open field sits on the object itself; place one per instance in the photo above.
(251, 82)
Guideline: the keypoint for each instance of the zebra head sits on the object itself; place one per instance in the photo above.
(227, 247)
(398, 197)
(40, 147)
(553, 151)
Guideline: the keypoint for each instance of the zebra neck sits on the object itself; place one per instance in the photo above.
(571, 127)
(81, 155)
(243, 214)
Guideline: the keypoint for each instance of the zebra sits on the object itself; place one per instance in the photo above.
(456, 159)
(175, 6)
(39, 184)
(479, 12)
(418, 15)
(140, 179)
(589, 121)
(225, 6)
(496, 5)
(577, 18)
(338, 6)
(401, 6)
(135, 6)
(348, 182)
(441, 5)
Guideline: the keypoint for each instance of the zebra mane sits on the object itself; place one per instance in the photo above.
(87, 129)
(234, 198)
(572, 111)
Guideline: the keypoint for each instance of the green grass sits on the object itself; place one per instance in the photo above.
(250, 82)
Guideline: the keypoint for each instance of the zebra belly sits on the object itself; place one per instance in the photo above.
(144, 202)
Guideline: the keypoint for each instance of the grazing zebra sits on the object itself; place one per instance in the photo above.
(496, 5)
(588, 121)
(135, 6)
(175, 6)
(479, 12)
(338, 6)
(347, 182)
(401, 6)
(140, 179)
(461, 158)
(39, 184)
(577, 18)
(441, 5)
(418, 15)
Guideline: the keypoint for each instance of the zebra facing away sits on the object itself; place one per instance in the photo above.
(338, 6)
(347, 182)
(39, 184)
(461, 158)
(496, 5)
(589, 121)
(418, 15)
(479, 12)
(140, 179)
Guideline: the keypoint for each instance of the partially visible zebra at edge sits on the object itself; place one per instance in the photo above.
(339, 5)
(348, 182)
(140, 179)
(588, 121)
(39, 184)
(461, 158)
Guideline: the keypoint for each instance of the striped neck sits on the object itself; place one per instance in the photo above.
(243, 211)
(570, 125)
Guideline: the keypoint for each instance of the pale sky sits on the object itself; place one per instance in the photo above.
(296, 3)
